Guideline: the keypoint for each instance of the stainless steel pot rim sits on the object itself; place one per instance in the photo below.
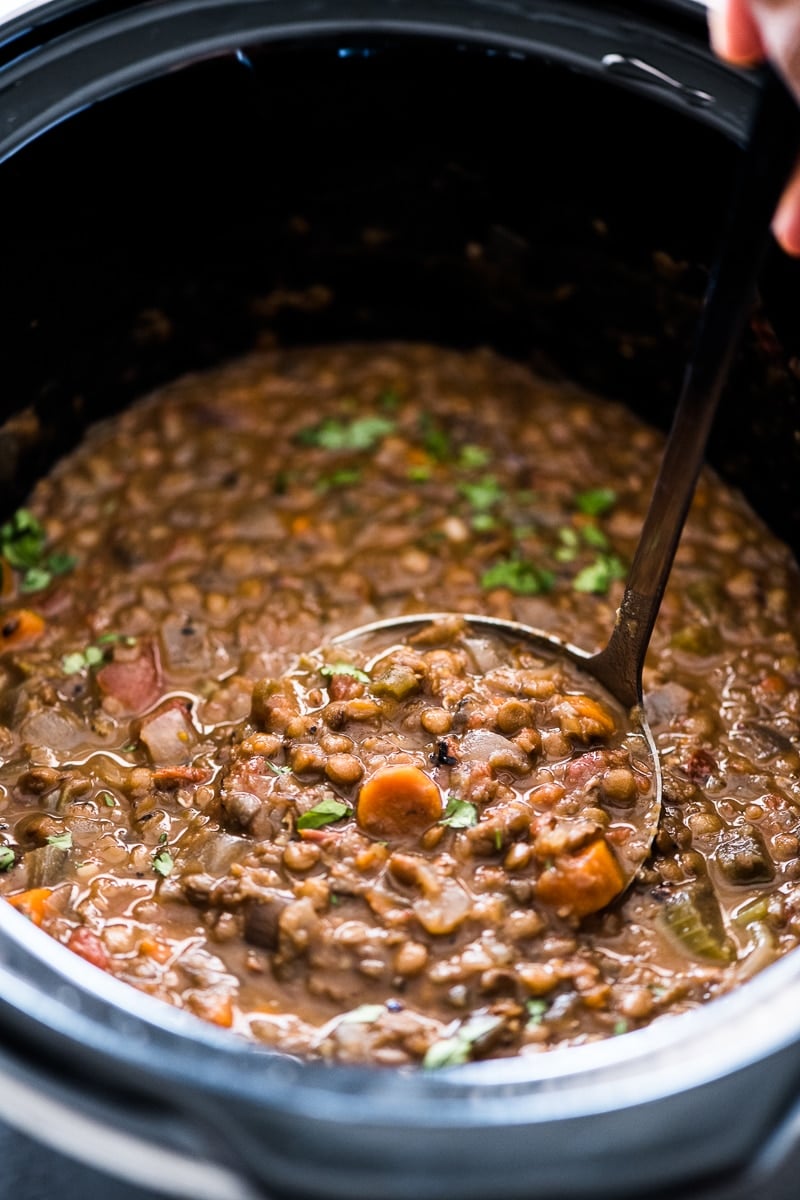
(84, 1006)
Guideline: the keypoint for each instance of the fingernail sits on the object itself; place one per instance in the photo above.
(786, 228)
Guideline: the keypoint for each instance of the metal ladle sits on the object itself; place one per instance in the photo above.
(767, 159)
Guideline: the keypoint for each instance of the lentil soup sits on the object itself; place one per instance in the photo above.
(402, 854)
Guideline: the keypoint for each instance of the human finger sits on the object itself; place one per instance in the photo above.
(735, 32)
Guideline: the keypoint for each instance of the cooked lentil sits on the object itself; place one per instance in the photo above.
(189, 806)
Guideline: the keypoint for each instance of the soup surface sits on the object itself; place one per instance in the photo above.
(405, 852)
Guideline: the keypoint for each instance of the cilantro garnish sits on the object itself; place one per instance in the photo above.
(435, 439)
(459, 814)
(108, 799)
(62, 841)
(339, 479)
(93, 655)
(473, 456)
(567, 548)
(7, 858)
(344, 668)
(163, 863)
(599, 575)
(518, 575)
(362, 433)
(455, 1050)
(596, 501)
(279, 770)
(536, 1010)
(483, 494)
(23, 543)
(323, 813)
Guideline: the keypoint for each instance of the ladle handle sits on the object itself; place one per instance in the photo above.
(767, 159)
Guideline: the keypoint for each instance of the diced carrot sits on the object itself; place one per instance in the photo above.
(301, 524)
(88, 945)
(398, 800)
(20, 627)
(160, 952)
(216, 1007)
(583, 882)
(33, 903)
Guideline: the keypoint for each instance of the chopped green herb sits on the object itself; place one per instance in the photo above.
(594, 537)
(599, 575)
(338, 479)
(162, 837)
(334, 900)
(483, 494)
(435, 439)
(7, 858)
(344, 668)
(106, 639)
(620, 1026)
(71, 664)
(22, 544)
(107, 799)
(323, 813)
(362, 433)
(93, 655)
(365, 1014)
(62, 841)
(22, 540)
(129, 747)
(459, 814)
(523, 531)
(59, 562)
(279, 770)
(498, 839)
(36, 579)
(567, 549)
(596, 501)
(419, 474)
(518, 575)
(536, 1010)
(473, 457)
(483, 522)
(163, 863)
(455, 1050)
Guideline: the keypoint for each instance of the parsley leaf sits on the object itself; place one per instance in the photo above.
(567, 548)
(7, 858)
(343, 668)
(108, 799)
(362, 433)
(22, 540)
(435, 439)
(459, 814)
(323, 813)
(483, 494)
(596, 501)
(22, 544)
(455, 1050)
(599, 575)
(339, 479)
(62, 841)
(473, 456)
(163, 863)
(483, 522)
(279, 770)
(595, 537)
(536, 1010)
(518, 575)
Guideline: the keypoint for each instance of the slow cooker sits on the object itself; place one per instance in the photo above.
(154, 159)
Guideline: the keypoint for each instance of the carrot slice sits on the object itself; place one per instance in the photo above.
(582, 883)
(32, 903)
(84, 942)
(20, 627)
(398, 800)
(160, 952)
